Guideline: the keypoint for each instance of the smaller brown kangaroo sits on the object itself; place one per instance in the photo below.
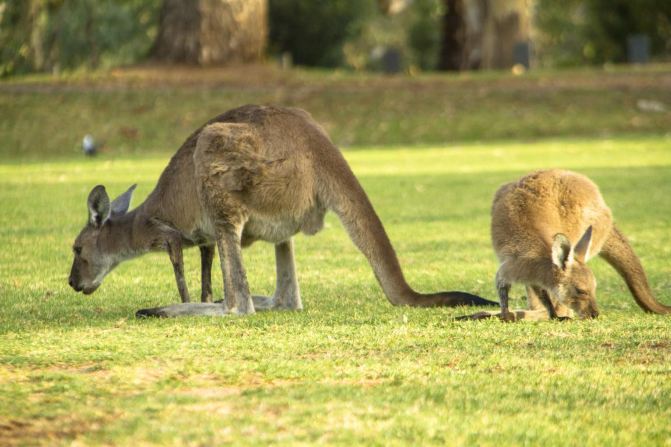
(545, 227)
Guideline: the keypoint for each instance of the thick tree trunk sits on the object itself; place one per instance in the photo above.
(483, 33)
(36, 36)
(211, 32)
(507, 24)
(453, 31)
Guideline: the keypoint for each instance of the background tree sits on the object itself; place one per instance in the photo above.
(54, 35)
(574, 32)
(482, 33)
(506, 24)
(207, 32)
(50, 35)
(314, 32)
(453, 36)
(22, 26)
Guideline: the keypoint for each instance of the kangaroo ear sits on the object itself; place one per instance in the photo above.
(99, 206)
(581, 249)
(121, 204)
(561, 251)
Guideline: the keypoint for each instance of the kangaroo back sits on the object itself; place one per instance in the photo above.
(527, 214)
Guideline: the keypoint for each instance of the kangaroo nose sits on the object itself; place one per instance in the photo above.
(73, 285)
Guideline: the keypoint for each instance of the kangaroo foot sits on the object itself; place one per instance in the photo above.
(515, 315)
(478, 316)
(185, 309)
(263, 303)
(507, 317)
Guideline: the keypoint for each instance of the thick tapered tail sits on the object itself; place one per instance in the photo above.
(619, 254)
(349, 201)
(452, 299)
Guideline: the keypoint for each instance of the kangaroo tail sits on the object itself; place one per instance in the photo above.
(618, 253)
(349, 201)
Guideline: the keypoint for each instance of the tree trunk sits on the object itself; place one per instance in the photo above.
(36, 35)
(211, 32)
(452, 45)
(506, 24)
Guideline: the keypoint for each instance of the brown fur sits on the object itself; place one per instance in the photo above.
(253, 173)
(529, 218)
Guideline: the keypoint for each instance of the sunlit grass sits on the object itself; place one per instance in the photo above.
(350, 369)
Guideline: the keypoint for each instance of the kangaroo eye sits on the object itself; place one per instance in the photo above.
(581, 292)
(77, 250)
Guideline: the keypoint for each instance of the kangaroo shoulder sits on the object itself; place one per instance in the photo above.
(229, 154)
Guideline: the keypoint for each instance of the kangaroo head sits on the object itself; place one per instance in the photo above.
(93, 260)
(576, 285)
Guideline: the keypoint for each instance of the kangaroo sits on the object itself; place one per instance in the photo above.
(252, 173)
(545, 227)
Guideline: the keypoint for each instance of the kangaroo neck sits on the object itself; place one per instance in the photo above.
(124, 238)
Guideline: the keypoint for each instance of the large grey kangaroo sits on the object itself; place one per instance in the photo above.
(252, 173)
(545, 227)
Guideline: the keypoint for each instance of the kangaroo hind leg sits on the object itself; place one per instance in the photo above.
(237, 298)
(287, 293)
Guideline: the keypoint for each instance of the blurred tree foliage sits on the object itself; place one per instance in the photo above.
(424, 35)
(314, 31)
(53, 35)
(574, 32)
(66, 34)
(414, 33)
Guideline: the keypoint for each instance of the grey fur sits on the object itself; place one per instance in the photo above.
(253, 173)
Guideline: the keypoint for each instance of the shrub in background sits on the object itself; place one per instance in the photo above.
(575, 32)
(424, 32)
(67, 34)
(414, 33)
(314, 31)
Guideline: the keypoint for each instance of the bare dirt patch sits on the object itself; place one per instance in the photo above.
(20, 432)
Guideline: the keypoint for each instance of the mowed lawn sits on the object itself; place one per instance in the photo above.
(350, 369)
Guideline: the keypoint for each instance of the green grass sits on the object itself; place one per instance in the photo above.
(136, 111)
(350, 369)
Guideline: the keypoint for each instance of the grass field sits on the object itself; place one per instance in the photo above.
(350, 369)
(137, 111)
